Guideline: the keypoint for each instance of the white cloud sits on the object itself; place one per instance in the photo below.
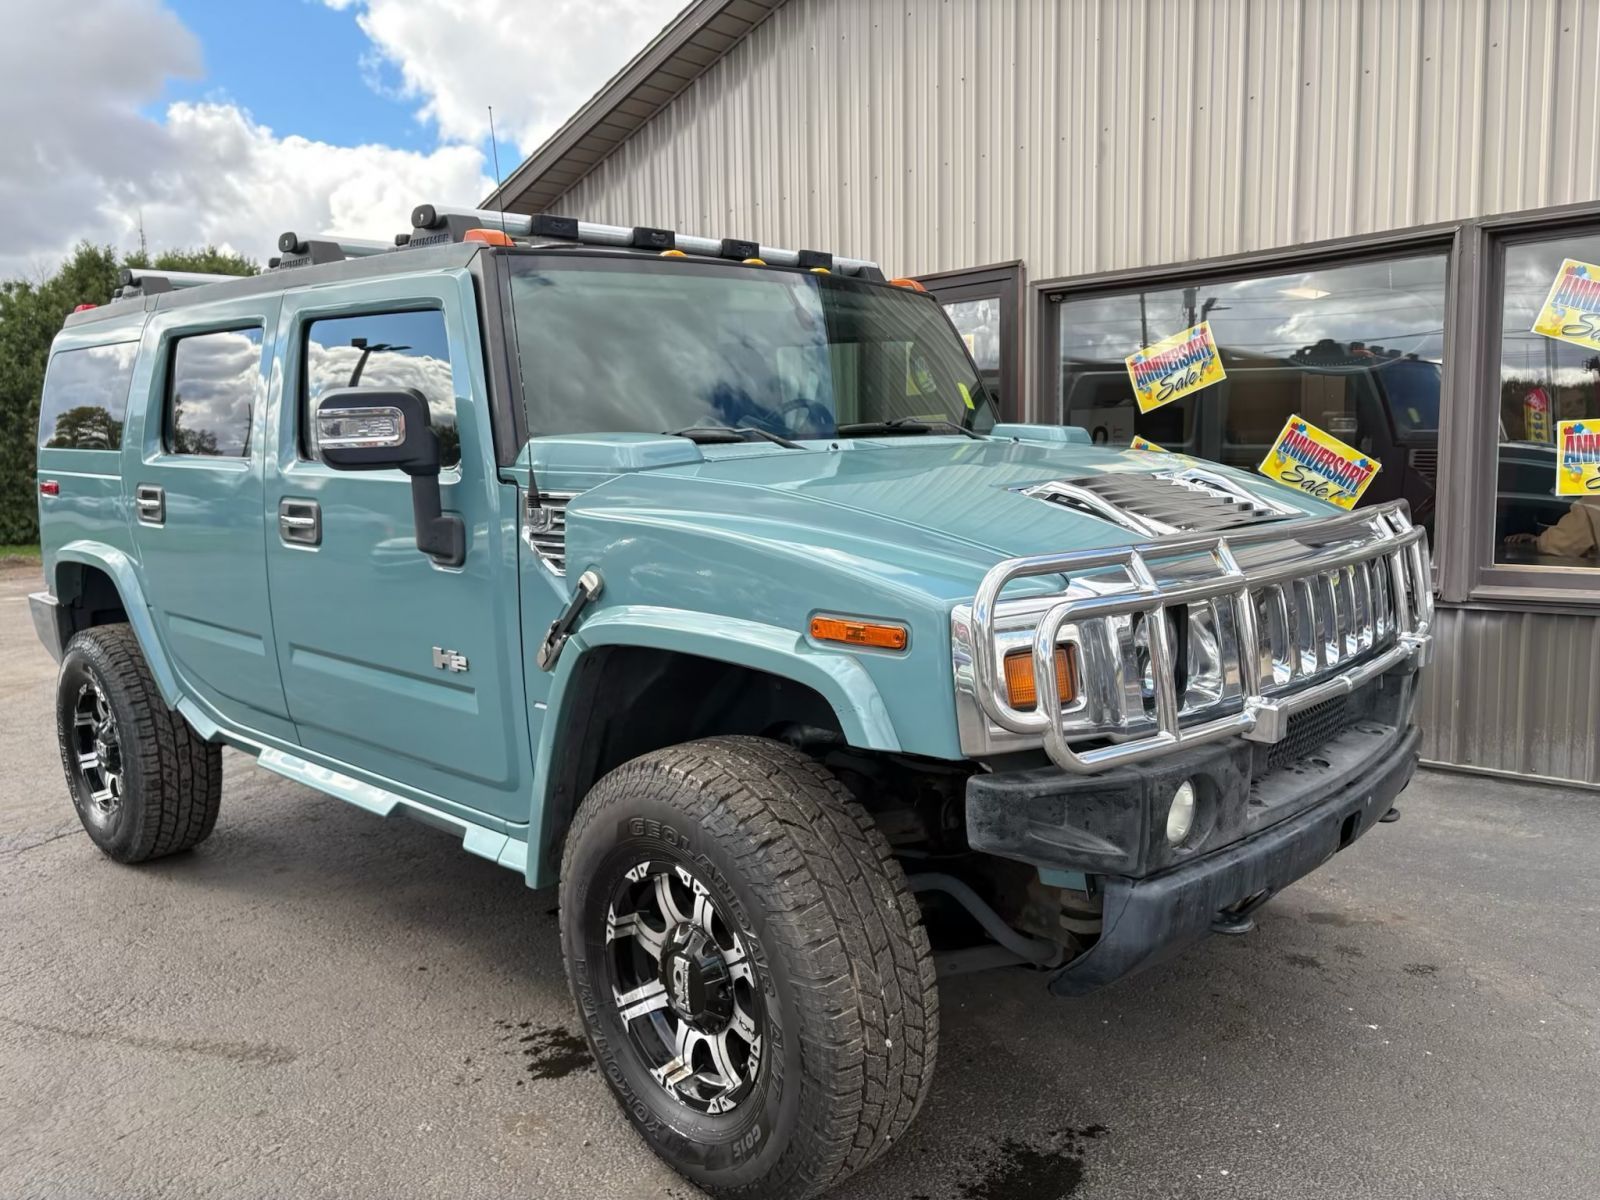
(82, 156)
(535, 61)
(79, 159)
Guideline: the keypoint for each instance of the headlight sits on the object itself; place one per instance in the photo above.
(1203, 676)
(1180, 814)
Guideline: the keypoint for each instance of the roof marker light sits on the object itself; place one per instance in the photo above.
(672, 254)
(488, 237)
(755, 262)
(85, 307)
(908, 283)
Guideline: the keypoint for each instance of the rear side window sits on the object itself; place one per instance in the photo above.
(212, 391)
(383, 350)
(86, 397)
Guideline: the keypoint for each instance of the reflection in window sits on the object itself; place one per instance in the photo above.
(1543, 380)
(213, 384)
(384, 350)
(1353, 349)
(86, 397)
(978, 323)
(649, 347)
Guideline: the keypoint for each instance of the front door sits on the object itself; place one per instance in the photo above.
(405, 670)
(194, 477)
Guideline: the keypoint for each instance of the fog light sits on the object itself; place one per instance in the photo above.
(1180, 817)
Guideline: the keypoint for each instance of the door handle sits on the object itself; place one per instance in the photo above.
(300, 522)
(151, 501)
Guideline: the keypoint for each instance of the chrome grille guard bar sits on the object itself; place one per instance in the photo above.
(1390, 535)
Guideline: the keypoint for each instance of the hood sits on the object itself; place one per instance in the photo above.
(927, 506)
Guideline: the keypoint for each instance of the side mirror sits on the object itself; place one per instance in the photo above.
(376, 429)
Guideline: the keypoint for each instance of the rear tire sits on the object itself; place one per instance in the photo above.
(143, 782)
(731, 894)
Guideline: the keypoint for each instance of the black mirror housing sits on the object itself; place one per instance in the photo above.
(377, 429)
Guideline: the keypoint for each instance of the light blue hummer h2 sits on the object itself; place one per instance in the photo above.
(700, 578)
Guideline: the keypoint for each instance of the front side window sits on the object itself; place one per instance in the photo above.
(1354, 349)
(1549, 386)
(647, 346)
(383, 350)
(85, 397)
(213, 386)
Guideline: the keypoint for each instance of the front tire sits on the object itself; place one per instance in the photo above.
(143, 782)
(750, 966)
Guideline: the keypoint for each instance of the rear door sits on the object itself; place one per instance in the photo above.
(406, 671)
(195, 496)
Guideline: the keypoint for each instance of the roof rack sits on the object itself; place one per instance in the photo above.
(296, 251)
(435, 224)
(138, 281)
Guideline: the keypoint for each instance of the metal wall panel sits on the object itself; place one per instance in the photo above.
(1092, 135)
(1517, 692)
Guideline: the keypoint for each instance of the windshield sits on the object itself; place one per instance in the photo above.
(659, 346)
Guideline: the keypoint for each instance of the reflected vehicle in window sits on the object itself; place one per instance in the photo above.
(1353, 349)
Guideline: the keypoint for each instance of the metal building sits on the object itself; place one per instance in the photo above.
(1369, 200)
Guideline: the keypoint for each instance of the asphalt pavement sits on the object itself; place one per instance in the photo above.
(319, 1003)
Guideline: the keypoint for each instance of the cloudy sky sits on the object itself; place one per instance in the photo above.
(230, 121)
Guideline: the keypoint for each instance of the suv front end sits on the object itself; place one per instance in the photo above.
(1221, 709)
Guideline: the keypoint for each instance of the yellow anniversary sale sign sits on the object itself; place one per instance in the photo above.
(1319, 464)
(1175, 367)
(1140, 443)
(1578, 458)
(1571, 311)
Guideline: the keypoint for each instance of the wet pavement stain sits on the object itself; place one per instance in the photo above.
(1420, 969)
(1023, 1172)
(555, 1053)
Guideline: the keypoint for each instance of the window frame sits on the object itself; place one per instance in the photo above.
(1444, 239)
(302, 383)
(171, 339)
(1006, 283)
(1493, 583)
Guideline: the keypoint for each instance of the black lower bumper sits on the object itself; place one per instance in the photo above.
(1147, 920)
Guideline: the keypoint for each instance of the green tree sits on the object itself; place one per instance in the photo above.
(31, 314)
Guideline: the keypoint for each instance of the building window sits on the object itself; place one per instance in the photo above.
(1547, 377)
(383, 350)
(213, 385)
(1354, 348)
(86, 397)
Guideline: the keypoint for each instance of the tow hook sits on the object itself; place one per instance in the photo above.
(589, 585)
(1239, 918)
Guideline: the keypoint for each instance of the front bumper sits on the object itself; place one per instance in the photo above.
(1260, 825)
(1148, 920)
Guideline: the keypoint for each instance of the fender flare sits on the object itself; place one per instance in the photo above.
(841, 681)
(124, 576)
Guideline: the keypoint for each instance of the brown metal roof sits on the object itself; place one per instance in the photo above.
(697, 37)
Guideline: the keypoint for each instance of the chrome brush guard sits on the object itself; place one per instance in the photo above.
(1323, 606)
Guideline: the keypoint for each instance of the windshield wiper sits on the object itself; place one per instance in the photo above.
(905, 425)
(727, 435)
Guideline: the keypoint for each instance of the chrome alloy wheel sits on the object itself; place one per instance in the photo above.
(96, 747)
(683, 985)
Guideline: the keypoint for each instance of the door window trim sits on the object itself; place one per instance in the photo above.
(166, 363)
(300, 363)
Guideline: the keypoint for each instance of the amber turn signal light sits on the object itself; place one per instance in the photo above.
(1020, 689)
(877, 634)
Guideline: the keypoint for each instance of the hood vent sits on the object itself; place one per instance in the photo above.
(1192, 500)
(544, 528)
